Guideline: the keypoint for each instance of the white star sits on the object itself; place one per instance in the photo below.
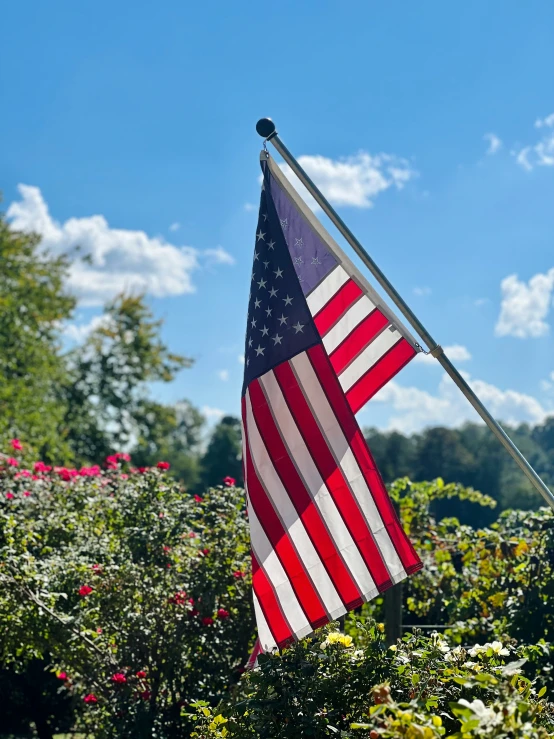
(247, 361)
(283, 319)
(298, 327)
(259, 350)
(287, 300)
(284, 223)
(249, 343)
(270, 245)
(253, 276)
(257, 303)
(253, 323)
(261, 283)
(268, 311)
(264, 331)
(265, 216)
(260, 235)
(277, 339)
(266, 265)
(298, 242)
(273, 293)
(315, 260)
(279, 273)
(298, 260)
(256, 256)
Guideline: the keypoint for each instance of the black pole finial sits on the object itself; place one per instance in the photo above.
(265, 127)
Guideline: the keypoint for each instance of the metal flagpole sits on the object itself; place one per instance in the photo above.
(266, 128)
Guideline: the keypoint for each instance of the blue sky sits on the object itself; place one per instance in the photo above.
(132, 127)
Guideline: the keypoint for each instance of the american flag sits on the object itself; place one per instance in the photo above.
(319, 343)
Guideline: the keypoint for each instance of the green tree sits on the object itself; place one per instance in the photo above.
(33, 301)
(223, 455)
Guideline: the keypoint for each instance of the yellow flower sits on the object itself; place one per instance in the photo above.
(337, 638)
(437, 721)
(393, 648)
(381, 627)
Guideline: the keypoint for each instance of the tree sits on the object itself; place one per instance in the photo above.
(107, 400)
(33, 302)
(224, 452)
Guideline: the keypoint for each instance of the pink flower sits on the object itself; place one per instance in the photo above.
(99, 630)
(90, 698)
(25, 473)
(229, 481)
(124, 456)
(111, 462)
(163, 465)
(119, 678)
(237, 574)
(11, 462)
(10, 496)
(141, 674)
(16, 445)
(207, 620)
(66, 474)
(192, 535)
(124, 477)
(222, 613)
(97, 569)
(179, 598)
(85, 590)
(41, 467)
(198, 499)
(93, 471)
(62, 675)
(26, 493)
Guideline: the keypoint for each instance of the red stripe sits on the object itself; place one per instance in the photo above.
(332, 475)
(381, 372)
(301, 499)
(327, 377)
(305, 592)
(337, 306)
(357, 340)
(269, 604)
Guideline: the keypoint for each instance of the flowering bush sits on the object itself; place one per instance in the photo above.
(125, 588)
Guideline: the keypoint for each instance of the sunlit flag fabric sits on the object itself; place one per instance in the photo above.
(319, 343)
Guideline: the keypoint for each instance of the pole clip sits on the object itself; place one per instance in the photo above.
(436, 351)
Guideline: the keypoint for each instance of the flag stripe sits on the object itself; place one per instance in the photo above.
(342, 452)
(347, 323)
(337, 306)
(272, 533)
(322, 293)
(351, 430)
(332, 473)
(368, 357)
(319, 492)
(265, 641)
(357, 340)
(378, 375)
(295, 508)
(279, 580)
(269, 604)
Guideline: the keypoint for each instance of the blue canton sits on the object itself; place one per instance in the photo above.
(280, 324)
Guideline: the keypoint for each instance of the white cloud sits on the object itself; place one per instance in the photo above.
(422, 291)
(249, 206)
(175, 226)
(120, 259)
(455, 352)
(417, 409)
(241, 358)
(525, 306)
(540, 154)
(495, 144)
(78, 332)
(223, 375)
(481, 301)
(212, 414)
(355, 181)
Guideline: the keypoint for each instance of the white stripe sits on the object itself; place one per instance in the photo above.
(319, 492)
(370, 356)
(264, 633)
(288, 514)
(269, 561)
(342, 452)
(323, 293)
(343, 328)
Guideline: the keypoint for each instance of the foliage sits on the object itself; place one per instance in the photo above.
(224, 453)
(136, 594)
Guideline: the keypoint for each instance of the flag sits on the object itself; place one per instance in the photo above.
(319, 343)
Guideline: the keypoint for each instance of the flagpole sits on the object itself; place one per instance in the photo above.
(266, 128)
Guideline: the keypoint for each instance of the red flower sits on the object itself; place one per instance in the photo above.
(179, 598)
(142, 470)
(207, 620)
(90, 698)
(119, 678)
(163, 465)
(62, 675)
(237, 574)
(124, 456)
(16, 444)
(222, 613)
(166, 548)
(229, 481)
(26, 493)
(145, 695)
(10, 496)
(141, 674)
(205, 552)
(194, 612)
(99, 630)
(12, 462)
(97, 569)
(198, 499)
(85, 590)
(93, 471)
(41, 467)
(192, 535)
(25, 473)
(66, 474)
